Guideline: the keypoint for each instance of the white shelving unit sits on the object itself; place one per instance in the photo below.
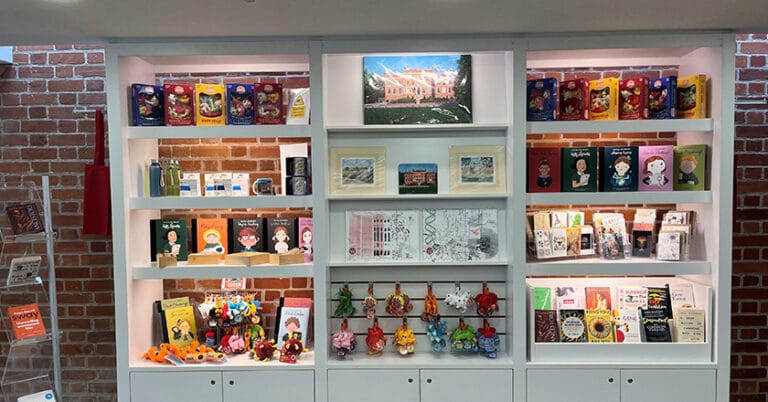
(524, 370)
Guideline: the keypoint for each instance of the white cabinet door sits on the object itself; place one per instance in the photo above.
(667, 385)
(466, 385)
(176, 386)
(373, 385)
(275, 385)
(582, 385)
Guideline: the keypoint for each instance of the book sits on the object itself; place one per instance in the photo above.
(179, 105)
(598, 298)
(180, 326)
(459, 235)
(692, 97)
(246, 234)
(239, 104)
(659, 299)
(579, 169)
(599, 326)
(573, 100)
(24, 270)
(210, 104)
(281, 234)
(546, 326)
(626, 318)
(544, 170)
(691, 167)
(147, 108)
(612, 246)
(42, 396)
(269, 103)
(570, 298)
(306, 237)
(542, 298)
(689, 325)
(655, 167)
(681, 296)
(417, 178)
(611, 230)
(633, 98)
(542, 99)
(26, 321)
(25, 219)
(604, 99)
(298, 106)
(168, 236)
(292, 319)
(642, 241)
(573, 237)
(619, 169)
(662, 98)
(670, 245)
(654, 325)
(572, 326)
(559, 240)
(209, 236)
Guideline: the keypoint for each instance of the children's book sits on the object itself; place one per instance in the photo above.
(633, 98)
(239, 104)
(147, 105)
(292, 319)
(26, 321)
(662, 98)
(306, 237)
(542, 99)
(269, 103)
(604, 99)
(619, 169)
(210, 104)
(180, 326)
(544, 170)
(179, 105)
(656, 167)
(168, 236)
(572, 326)
(209, 236)
(282, 236)
(383, 236)
(546, 326)
(246, 234)
(692, 97)
(574, 104)
(459, 235)
(690, 167)
(579, 169)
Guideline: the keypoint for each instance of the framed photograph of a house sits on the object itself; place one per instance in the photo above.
(423, 89)
(359, 171)
(477, 169)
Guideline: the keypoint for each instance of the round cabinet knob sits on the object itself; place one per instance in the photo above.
(429, 381)
(610, 380)
(231, 382)
(410, 380)
(213, 382)
(630, 381)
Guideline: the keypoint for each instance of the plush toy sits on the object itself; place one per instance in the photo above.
(159, 353)
(345, 307)
(436, 332)
(292, 348)
(460, 300)
(344, 341)
(404, 339)
(263, 350)
(430, 305)
(236, 343)
(210, 339)
(463, 338)
(398, 303)
(487, 302)
(487, 340)
(369, 303)
(375, 340)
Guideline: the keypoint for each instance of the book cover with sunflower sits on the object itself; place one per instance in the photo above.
(599, 325)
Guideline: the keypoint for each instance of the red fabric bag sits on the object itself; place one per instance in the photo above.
(97, 211)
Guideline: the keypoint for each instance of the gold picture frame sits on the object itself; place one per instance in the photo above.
(358, 170)
(477, 169)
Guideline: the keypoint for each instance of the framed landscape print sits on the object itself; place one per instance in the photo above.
(477, 169)
(358, 171)
(417, 89)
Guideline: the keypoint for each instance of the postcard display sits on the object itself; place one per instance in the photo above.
(419, 169)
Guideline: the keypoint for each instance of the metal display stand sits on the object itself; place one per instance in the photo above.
(33, 361)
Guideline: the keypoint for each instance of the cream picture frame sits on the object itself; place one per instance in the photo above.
(477, 169)
(357, 170)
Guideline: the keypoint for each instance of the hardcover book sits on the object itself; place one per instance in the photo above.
(292, 319)
(690, 167)
(282, 235)
(570, 298)
(655, 325)
(239, 104)
(180, 324)
(26, 321)
(627, 320)
(306, 237)
(546, 326)
(573, 100)
(655, 167)
(542, 99)
(572, 326)
(692, 97)
(579, 169)
(246, 234)
(179, 105)
(633, 98)
(168, 236)
(269, 103)
(459, 235)
(662, 98)
(619, 169)
(210, 104)
(659, 299)
(542, 298)
(25, 219)
(599, 326)
(544, 170)
(604, 99)
(377, 236)
(147, 105)
(689, 325)
(209, 236)
(598, 298)
(681, 296)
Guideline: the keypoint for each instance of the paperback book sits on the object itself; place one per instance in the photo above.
(180, 326)
(579, 169)
(572, 326)
(599, 326)
(655, 325)
(25, 219)
(570, 298)
(626, 317)
(542, 298)
(689, 325)
(544, 170)
(26, 321)
(546, 326)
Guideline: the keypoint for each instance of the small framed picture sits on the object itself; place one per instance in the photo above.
(477, 169)
(359, 171)
(417, 178)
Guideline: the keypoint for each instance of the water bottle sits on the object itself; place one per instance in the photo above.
(173, 179)
(155, 179)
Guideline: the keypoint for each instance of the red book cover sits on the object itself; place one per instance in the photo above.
(573, 100)
(544, 170)
(26, 321)
(598, 298)
(179, 105)
(633, 98)
(25, 219)
(269, 103)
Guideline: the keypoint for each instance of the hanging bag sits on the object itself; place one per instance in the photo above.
(96, 192)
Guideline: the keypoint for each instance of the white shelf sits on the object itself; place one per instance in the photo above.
(183, 271)
(410, 128)
(408, 197)
(633, 266)
(390, 359)
(629, 197)
(263, 201)
(233, 363)
(250, 131)
(621, 353)
(619, 126)
(417, 264)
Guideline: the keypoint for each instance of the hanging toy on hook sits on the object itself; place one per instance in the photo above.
(487, 302)
(375, 340)
(459, 299)
(436, 333)
(404, 339)
(430, 304)
(345, 307)
(369, 303)
(398, 303)
(463, 338)
(344, 341)
(487, 340)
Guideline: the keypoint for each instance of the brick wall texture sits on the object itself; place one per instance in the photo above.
(46, 127)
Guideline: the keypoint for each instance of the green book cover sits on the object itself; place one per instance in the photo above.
(690, 167)
(168, 235)
(579, 169)
(542, 298)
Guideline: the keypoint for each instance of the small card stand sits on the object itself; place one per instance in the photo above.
(166, 260)
(294, 256)
(203, 259)
(247, 258)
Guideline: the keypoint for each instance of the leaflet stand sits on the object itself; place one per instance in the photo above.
(28, 310)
